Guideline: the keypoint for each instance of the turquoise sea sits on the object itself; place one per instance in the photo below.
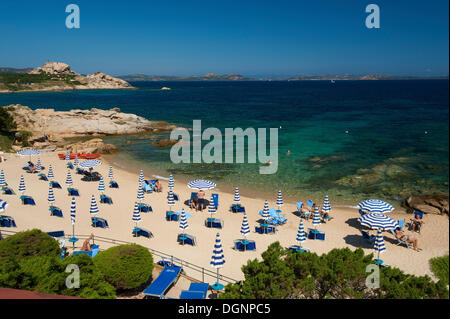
(352, 139)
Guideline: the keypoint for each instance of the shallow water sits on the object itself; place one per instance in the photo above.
(351, 139)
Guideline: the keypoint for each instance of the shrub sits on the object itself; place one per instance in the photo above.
(440, 267)
(24, 137)
(6, 120)
(125, 266)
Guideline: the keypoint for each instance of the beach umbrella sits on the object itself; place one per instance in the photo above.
(279, 199)
(316, 218)
(326, 205)
(301, 233)
(265, 213)
(51, 196)
(90, 163)
(378, 221)
(375, 206)
(201, 184)
(170, 199)
(171, 182)
(94, 208)
(136, 213)
(245, 229)
(101, 185)
(110, 173)
(22, 187)
(237, 198)
(28, 152)
(2, 178)
(38, 165)
(217, 259)
(379, 246)
(3, 205)
(72, 221)
(69, 179)
(183, 221)
(75, 162)
(211, 207)
(67, 156)
(141, 177)
(50, 172)
(140, 193)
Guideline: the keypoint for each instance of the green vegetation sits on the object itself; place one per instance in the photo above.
(339, 274)
(24, 137)
(125, 266)
(30, 260)
(7, 128)
(440, 268)
(23, 81)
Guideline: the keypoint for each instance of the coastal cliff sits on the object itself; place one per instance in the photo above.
(57, 76)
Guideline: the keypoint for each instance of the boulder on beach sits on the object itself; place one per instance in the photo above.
(429, 204)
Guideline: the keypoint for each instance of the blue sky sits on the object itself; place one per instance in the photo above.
(254, 38)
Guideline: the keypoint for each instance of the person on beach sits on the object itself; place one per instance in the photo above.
(401, 235)
(325, 216)
(201, 200)
(86, 244)
(158, 186)
(416, 222)
(31, 167)
(305, 211)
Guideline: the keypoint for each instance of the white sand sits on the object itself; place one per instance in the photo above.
(342, 231)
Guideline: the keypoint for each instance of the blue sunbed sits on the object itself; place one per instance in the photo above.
(105, 199)
(172, 216)
(7, 191)
(91, 253)
(113, 184)
(145, 208)
(7, 221)
(99, 222)
(70, 165)
(236, 208)
(214, 223)
(55, 211)
(73, 192)
(56, 234)
(197, 290)
(139, 231)
(297, 248)
(265, 230)
(42, 177)
(27, 200)
(244, 244)
(55, 184)
(186, 239)
(159, 287)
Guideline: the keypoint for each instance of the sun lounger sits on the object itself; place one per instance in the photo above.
(113, 184)
(27, 200)
(73, 192)
(55, 211)
(279, 218)
(417, 215)
(147, 187)
(99, 222)
(237, 208)
(370, 239)
(139, 231)
(172, 216)
(298, 249)
(7, 221)
(80, 171)
(92, 253)
(244, 245)
(401, 223)
(197, 290)
(145, 208)
(55, 184)
(105, 199)
(214, 223)
(7, 191)
(401, 241)
(302, 214)
(57, 234)
(166, 279)
(43, 177)
(70, 165)
(215, 198)
(186, 239)
(265, 230)
(316, 234)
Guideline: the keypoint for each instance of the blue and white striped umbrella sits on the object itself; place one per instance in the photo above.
(170, 199)
(237, 198)
(28, 152)
(136, 213)
(90, 163)
(69, 179)
(75, 162)
(279, 199)
(183, 221)
(67, 156)
(3, 205)
(316, 219)
(245, 228)
(326, 205)
(201, 184)
(22, 187)
(101, 185)
(217, 259)
(38, 165)
(265, 214)
(110, 173)
(50, 172)
(51, 196)
(379, 246)
(140, 193)
(141, 176)
(301, 233)
(72, 211)
(211, 207)
(94, 208)
(375, 206)
(2, 178)
(378, 221)
(171, 182)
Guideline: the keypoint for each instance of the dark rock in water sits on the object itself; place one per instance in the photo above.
(164, 143)
(429, 204)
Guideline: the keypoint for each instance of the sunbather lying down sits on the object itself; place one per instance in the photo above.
(401, 235)
(86, 245)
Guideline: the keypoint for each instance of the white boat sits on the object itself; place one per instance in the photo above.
(165, 88)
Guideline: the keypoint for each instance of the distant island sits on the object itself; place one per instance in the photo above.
(55, 76)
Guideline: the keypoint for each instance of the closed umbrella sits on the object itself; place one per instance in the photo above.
(72, 221)
(136, 214)
(237, 198)
(67, 156)
(265, 213)
(316, 219)
(279, 199)
(217, 260)
(245, 229)
(379, 246)
(51, 196)
(170, 200)
(183, 221)
(110, 173)
(171, 182)
(101, 185)
(211, 207)
(301, 237)
(22, 187)
(50, 172)
(94, 208)
(2, 178)
(140, 193)
(69, 181)
(326, 205)
(141, 177)
(38, 165)
(75, 162)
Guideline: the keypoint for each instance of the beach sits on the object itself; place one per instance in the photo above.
(342, 231)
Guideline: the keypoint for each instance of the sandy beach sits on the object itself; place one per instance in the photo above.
(342, 231)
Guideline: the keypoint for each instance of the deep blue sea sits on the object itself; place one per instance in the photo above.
(351, 139)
